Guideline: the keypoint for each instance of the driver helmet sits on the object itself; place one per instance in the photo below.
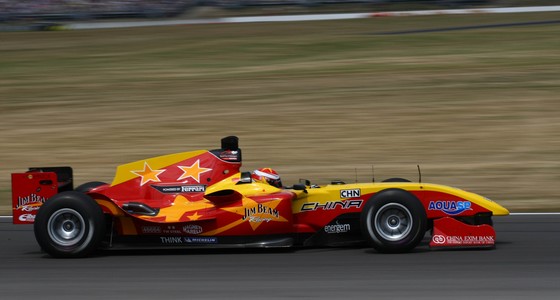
(269, 176)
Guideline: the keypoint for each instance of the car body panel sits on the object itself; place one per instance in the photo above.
(201, 198)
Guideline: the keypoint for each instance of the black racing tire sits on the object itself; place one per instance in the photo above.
(88, 186)
(69, 225)
(396, 179)
(393, 221)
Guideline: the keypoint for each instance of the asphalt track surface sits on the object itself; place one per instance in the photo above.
(525, 264)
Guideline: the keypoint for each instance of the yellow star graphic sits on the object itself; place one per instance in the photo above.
(257, 213)
(182, 205)
(195, 216)
(193, 171)
(148, 174)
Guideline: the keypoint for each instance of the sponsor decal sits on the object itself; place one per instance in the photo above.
(337, 228)
(229, 155)
(27, 218)
(29, 208)
(256, 213)
(151, 229)
(31, 199)
(171, 230)
(353, 193)
(256, 219)
(260, 213)
(450, 207)
(177, 240)
(438, 239)
(463, 240)
(192, 229)
(176, 189)
(330, 205)
(201, 240)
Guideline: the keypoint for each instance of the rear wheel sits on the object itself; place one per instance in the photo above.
(393, 221)
(69, 224)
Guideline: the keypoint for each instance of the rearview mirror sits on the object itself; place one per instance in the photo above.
(245, 178)
(299, 187)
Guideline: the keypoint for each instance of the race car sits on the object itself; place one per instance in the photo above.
(202, 199)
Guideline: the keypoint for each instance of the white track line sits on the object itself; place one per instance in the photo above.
(316, 17)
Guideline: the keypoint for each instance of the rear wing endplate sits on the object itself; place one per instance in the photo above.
(32, 188)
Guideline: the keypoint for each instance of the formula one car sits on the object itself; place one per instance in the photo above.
(201, 199)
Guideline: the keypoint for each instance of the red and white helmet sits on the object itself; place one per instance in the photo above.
(268, 175)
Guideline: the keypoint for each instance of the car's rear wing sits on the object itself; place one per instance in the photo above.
(32, 188)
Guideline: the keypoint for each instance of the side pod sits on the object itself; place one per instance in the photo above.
(449, 232)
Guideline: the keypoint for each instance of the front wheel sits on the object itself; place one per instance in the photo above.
(70, 224)
(393, 221)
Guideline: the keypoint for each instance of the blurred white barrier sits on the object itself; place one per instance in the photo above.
(314, 17)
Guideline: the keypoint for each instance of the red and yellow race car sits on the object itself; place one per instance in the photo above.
(201, 199)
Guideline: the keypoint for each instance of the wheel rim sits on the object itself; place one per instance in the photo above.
(66, 227)
(393, 222)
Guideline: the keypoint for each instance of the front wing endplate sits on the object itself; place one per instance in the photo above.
(449, 232)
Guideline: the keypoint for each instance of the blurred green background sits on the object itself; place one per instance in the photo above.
(477, 109)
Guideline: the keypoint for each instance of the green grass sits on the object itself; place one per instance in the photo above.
(478, 109)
